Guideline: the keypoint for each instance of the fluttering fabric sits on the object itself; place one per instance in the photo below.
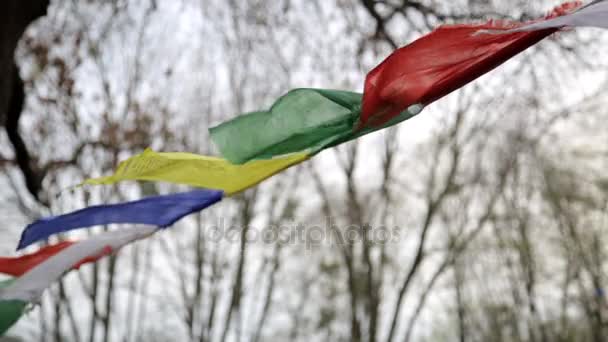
(442, 61)
(310, 120)
(10, 310)
(30, 286)
(17, 266)
(594, 14)
(196, 170)
(303, 120)
(161, 211)
(260, 144)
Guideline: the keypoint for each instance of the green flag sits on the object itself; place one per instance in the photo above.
(303, 120)
(10, 310)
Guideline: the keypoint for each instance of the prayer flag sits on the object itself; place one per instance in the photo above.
(303, 120)
(161, 211)
(10, 310)
(594, 14)
(30, 286)
(442, 61)
(196, 170)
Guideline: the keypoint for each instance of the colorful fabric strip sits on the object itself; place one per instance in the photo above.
(418, 74)
(593, 15)
(440, 62)
(161, 211)
(199, 171)
(17, 266)
(307, 120)
(301, 120)
(31, 285)
(10, 310)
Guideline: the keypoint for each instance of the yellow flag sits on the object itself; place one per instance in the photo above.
(197, 170)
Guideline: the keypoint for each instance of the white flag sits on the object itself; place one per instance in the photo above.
(593, 15)
(31, 285)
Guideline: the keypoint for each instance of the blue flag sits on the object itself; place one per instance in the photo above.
(160, 211)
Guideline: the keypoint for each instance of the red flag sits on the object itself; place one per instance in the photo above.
(441, 62)
(17, 266)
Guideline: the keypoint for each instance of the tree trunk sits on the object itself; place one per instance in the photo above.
(15, 17)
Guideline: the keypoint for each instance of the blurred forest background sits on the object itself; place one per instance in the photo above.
(482, 219)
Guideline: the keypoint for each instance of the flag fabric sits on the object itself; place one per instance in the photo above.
(10, 310)
(17, 266)
(258, 145)
(310, 120)
(442, 61)
(594, 14)
(303, 120)
(282, 151)
(161, 211)
(199, 171)
(30, 286)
